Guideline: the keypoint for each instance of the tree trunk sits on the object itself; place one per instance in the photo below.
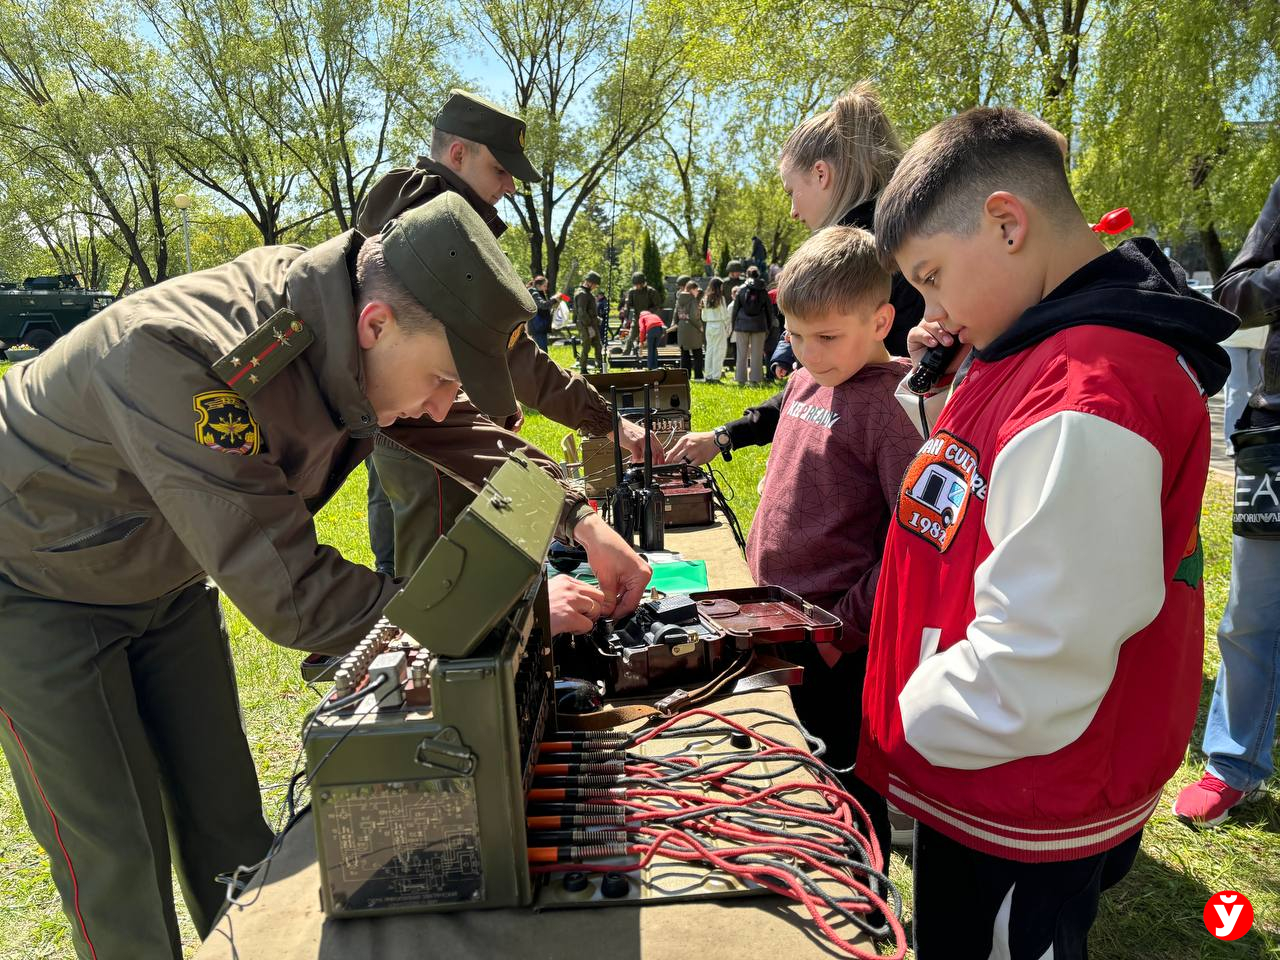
(1212, 244)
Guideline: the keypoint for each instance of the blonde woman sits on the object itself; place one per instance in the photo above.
(833, 167)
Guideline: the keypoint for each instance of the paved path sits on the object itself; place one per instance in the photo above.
(1218, 459)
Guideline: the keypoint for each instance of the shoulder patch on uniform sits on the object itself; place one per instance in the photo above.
(225, 424)
(264, 353)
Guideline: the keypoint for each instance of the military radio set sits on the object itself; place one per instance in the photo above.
(421, 757)
(442, 777)
(636, 504)
(633, 496)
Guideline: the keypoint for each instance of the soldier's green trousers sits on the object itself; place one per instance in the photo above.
(590, 337)
(121, 726)
(424, 503)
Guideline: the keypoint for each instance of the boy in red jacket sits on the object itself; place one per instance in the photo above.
(1035, 653)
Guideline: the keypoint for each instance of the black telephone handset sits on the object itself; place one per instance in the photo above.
(931, 367)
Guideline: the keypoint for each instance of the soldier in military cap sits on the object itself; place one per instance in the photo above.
(587, 320)
(186, 436)
(640, 297)
(735, 278)
(469, 138)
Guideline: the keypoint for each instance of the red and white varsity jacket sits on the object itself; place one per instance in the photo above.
(1035, 653)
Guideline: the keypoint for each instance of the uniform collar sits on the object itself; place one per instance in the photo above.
(488, 212)
(320, 289)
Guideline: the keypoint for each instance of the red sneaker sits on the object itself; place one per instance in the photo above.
(1208, 801)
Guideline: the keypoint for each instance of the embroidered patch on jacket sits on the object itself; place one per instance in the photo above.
(937, 488)
(1191, 568)
(225, 423)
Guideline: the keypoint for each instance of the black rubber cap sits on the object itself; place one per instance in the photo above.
(615, 886)
(575, 882)
(740, 741)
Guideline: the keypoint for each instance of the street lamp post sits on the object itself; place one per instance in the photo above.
(183, 202)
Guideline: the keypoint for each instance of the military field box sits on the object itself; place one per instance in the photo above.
(670, 397)
(670, 387)
(686, 504)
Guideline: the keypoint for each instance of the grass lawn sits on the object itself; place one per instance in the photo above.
(1154, 913)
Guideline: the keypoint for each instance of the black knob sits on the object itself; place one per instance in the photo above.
(740, 741)
(615, 886)
(575, 882)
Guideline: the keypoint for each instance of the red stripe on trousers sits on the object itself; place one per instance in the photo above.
(75, 887)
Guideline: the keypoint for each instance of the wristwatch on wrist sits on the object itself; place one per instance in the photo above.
(721, 437)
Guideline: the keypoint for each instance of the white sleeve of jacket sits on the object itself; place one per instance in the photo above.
(1077, 567)
(910, 402)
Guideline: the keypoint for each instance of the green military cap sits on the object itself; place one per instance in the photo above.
(682, 280)
(467, 116)
(735, 265)
(638, 278)
(591, 277)
(447, 257)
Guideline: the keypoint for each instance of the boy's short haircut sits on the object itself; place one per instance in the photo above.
(835, 270)
(948, 173)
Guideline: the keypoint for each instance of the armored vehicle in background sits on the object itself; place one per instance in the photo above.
(44, 308)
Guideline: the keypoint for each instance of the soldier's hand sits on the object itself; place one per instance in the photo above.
(623, 575)
(575, 606)
(632, 441)
(695, 448)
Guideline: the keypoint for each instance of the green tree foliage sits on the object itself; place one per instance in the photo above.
(652, 268)
(79, 115)
(583, 110)
(278, 115)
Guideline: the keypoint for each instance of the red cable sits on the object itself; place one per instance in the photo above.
(651, 808)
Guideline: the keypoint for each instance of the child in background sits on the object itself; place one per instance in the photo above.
(652, 330)
(838, 456)
(1036, 650)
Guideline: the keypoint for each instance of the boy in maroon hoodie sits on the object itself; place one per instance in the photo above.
(839, 453)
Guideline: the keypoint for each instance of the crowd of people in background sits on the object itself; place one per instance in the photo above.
(702, 317)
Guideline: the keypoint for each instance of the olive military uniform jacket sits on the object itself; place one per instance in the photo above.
(643, 298)
(539, 381)
(155, 445)
(584, 310)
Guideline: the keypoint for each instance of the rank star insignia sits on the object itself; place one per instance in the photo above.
(282, 337)
(236, 361)
(224, 423)
(253, 378)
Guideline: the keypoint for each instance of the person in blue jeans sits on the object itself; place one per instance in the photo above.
(1240, 732)
(652, 331)
(540, 323)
